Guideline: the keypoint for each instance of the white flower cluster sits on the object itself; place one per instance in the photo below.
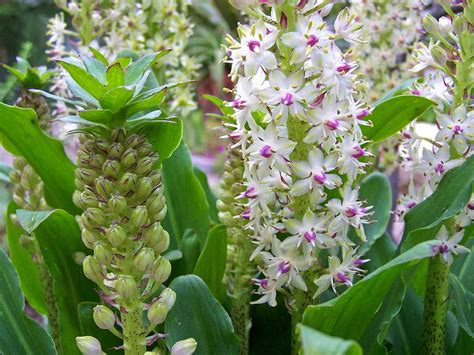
(142, 27)
(298, 124)
(452, 139)
(391, 28)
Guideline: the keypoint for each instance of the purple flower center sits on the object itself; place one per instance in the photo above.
(342, 278)
(351, 212)
(416, 92)
(320, 177)
(287, 99)
(457, 129)
(284, 267)
(362, 114)
(332, 124)
(310, 236)
(266, 151)
(439, 169)
(254, 45)
(245, 214)
(471, 206)
(358, 152)
(440, 249)
(235, 135)
(312, 40)
(239, 104)
(343, 68)
(411, 204)
(250, 193)
(263, 283)
(358, 262)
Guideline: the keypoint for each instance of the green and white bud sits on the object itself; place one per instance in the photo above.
(89, 238)
(134, 141)
(168, 297)
(104, 317)
(116, 235)
(430, 24)
(144, 188)
(104, 187)
(89, 199)
(93, 217)
(89, 345)
(115, 150)
(128, 182)
(85, 175)
(184, 347)
(118, 204)
(144, 165)
(129, 158)
(161, 270)
(143, 261)
(155, 204)
(157, 313)
(125, 286)
(439, 55)
(139, 216)
(103, 254)
(93, 270)
(111, 168)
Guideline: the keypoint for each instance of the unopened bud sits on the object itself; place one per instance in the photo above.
(143, 261)
(430, 24)
(89, 345)
(161, 269)
(162, 214)
(116, 235)
(103, 254)
(145, 149)
(157, 313)
(19, 163)
(89, 199)
(144, 188)
(139, 216)
(104, 187)
(88, 238)
(93, 270)
(155, 177)
(129, 158)
(133, 141)
(439, 55)
(156, 203)
(92, 218)
(115, 150)
(104, 317)
(95, 160)
(111, 168)
(168, 297)
(125, 286)
(86, 176)
(119, 135)
(144, 165)
(184, 347)
(118, 204)
(460, 24)
(128, 181)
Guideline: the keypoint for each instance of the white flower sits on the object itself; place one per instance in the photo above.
(423, 57)
(347, 28)
(448, 245)
(435, 164)
(458, 127)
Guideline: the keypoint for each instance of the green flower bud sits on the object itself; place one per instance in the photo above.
(76, 199)
(96, 161)
(460, 24)
(228, 177)
(111, 168)
(139, 216)
(88, 238)
(93, 270)
(116, 235)
(145, 149)
(430, 24)
(144, 165)
(86, 176)
(128, 181)
(104, 317)
(19, 163)
(161, 215)
(102, 144)
(15, 177)
(134, 140)
(152, 233)
(119, 135)
(115, 150)
(162, 243)
(89, 199)
(144, 188)
(92, 218)
(157, 313)
(184, 347)
(161, 270)
(129, 158)
(226, 218)
(143, 261)
(168, 297)
(89, 345)
(104, 187)
(221, 206)
(156, 203)
(118, 204)
(439, 55)
(103, 254)
(125, 286)
(155, 177)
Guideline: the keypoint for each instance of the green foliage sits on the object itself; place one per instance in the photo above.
(198, 314)
(18, 333)
(317, 343)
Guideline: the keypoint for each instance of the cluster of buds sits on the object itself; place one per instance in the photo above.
(119, 187)
(298, 126)
(447, 62)
(122, 26)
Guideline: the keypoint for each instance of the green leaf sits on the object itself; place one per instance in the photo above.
(97, 116)
(349, 315)
(165, 138)
(211, 197)
(397, 91)
(45, 154)
(116, 99)
(30, 220)
(95, 67)
(99, 56)
(381, 252)
(463, 267)
(84, 79)
(451, 195)
(17, 73)
(59, 238)
(190, 250)
(317, 343)
(115, 76)
(197, 314)
(58, 98)
(186, 200)
(226, 110)
(26, 268)
(18, 333)
(79, 92)
(463, 301)
(211, 264)
(135, 70)
(390, 116)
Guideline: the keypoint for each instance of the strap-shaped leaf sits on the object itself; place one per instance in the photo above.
(116, 98)
(317, 343)
(84, 79)
(95, 68)
(115, 76)
(58, 98)
(97, 115)
(135, 70)
(99, 56)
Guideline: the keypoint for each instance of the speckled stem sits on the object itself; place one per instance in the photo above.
(133, 338)
(435, 307)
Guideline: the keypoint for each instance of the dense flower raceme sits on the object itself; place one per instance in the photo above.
(448, 79)
(298, 124)
(124, 26)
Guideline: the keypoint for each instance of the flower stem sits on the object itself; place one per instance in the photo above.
(132, 323)
(435, 312)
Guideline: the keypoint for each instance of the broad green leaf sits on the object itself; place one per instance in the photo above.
(186, 200)
(79, 92)
(317, 343)
(97, 116)
(58, 98)
(211, 197)
(84, 79)
(348, 315)
(116, 98)
(197, 314)
(26, 268)
(463, 267)
(115, 76)
(60, 242)
(451, 195)
(397, 91)
(190, 249)
(226, 110)
(30, 220)
(95, 67)
(211, 264)
(463, 303)
(19, 334)
(45, 154)
(135, 70)
(165, 138)
(381, 252)
(390, 116)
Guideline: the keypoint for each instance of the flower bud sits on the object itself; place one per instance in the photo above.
(76, 199)
(134, 140)
(115, 150)
(116, 235)
(439, 55)
(430, 24)
(103, 254)
(92, 218)
(89, 199)
(155, 177)
(162, 214)
(119, 135)
(19, 163)
(15, 177)
(145, 149)
(93, 270)
(95, 160)
(460, 24)
(111, 168)
(143, 261)
(128, 181)
(157, 313)
(168, 297)
(156, 203)
(144, 188)
(184, 347)
(104, 187)
(162, 243)
(89, 345)
(144, 165)
(161, 269)
(104, 317)
(129, 158)
(118, 204)
(86, 176)
(152, 233)
(125, 286)
(139, 216)
(88, 238)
